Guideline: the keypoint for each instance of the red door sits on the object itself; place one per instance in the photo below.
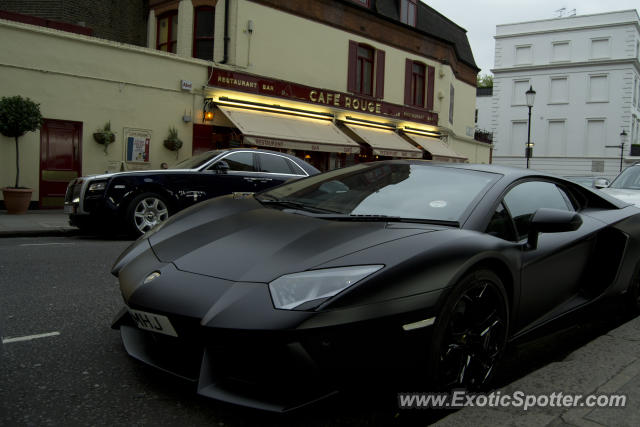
(60, 159)
(202, 139)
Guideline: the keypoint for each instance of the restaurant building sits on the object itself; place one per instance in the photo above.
(334, 81)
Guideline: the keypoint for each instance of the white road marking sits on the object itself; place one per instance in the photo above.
(45, 244)
(29, 337)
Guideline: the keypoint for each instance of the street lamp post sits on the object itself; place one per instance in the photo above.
(531, 96)
(623, 141)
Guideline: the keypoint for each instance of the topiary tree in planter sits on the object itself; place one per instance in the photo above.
(17, 117)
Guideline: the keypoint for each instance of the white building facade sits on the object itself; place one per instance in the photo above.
(586, 74)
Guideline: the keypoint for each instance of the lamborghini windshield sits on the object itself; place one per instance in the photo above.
(399, 190)
(629, 179)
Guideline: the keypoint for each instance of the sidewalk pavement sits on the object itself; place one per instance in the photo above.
(610, 364)
(45, 222)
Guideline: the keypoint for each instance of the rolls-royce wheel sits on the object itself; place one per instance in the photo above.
(470, 334)
(145, 212)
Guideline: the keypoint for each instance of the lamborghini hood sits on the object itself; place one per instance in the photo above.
(241, 240)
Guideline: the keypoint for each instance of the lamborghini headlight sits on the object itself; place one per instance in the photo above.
(292, 290)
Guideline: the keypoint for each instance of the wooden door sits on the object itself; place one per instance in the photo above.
(60, 160)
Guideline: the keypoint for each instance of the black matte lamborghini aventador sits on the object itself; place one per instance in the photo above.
(271, 300)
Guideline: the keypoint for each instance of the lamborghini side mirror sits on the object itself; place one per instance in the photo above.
(546, 220)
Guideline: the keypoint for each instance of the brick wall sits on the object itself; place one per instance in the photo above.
(119, 20)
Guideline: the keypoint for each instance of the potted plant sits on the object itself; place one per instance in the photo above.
(104, 136)
(17, 117)
(173, 143)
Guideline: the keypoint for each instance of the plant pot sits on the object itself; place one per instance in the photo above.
(104, 137)
(16, 200)
(173, 144)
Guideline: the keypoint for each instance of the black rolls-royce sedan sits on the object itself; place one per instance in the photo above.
(136, 201)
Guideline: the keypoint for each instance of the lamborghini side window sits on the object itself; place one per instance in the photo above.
(525, 199)
(500, 224)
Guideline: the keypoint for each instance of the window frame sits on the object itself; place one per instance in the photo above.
(558, 43)
(591, 99)
(171, 15)
(360, 66)
(551, 101)
(287, 162)
(415, 15)
(514, 95)
(515, 54)
(414, 78)
(591, 48)
(452, 97)
(569, 198)
(196, 39)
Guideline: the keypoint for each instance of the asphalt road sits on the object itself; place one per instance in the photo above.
(80, 374)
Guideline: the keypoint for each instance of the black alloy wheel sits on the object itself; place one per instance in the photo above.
(470, 334)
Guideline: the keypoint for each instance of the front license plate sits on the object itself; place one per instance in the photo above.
(68, 209)
(153, 322)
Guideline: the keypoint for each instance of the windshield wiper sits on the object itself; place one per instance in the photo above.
(388, 218)
(292, 204)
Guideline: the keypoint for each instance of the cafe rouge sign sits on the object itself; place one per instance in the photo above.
(293, 91)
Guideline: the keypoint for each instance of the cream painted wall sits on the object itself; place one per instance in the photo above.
(152, 31)
(292, 48)
(92, 81)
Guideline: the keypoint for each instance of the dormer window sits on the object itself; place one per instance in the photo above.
(409, 12)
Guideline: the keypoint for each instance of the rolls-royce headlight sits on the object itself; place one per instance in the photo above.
(292, 290)
(97, 186)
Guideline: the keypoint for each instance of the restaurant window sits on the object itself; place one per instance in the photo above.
(366, 70)
(167, 36)
(451, 99)
(419, 80)
(203, 33)
(409, 12)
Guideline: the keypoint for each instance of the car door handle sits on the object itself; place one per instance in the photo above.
(265, 179)
(195, 195)
(246, 178)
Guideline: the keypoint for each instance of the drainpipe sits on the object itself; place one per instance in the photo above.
(225, 58)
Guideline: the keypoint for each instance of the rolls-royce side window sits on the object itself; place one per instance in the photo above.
(274, 164)
(240, 162)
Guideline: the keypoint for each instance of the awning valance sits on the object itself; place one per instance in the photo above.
(438, 150)
(386, 142)
(276, 130)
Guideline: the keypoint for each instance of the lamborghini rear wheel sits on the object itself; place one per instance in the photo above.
(470, 333)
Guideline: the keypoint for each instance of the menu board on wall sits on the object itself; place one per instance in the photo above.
(136, 144)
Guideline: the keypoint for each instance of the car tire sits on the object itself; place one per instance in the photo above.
(470, 334)
(145, 212)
